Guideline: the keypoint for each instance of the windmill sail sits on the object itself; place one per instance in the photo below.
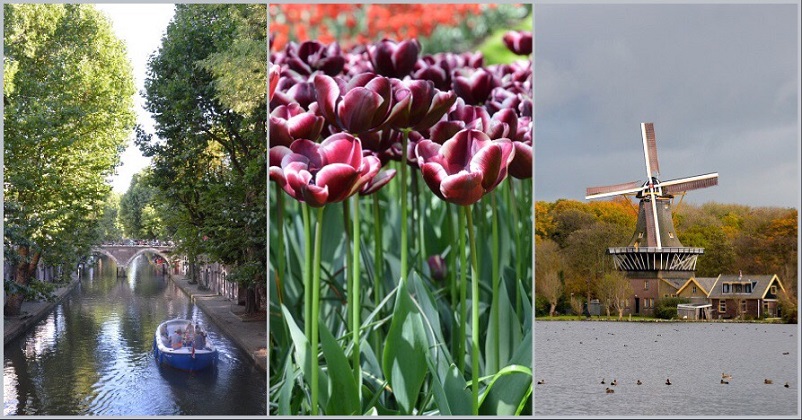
(650, 150)
(609, 190)
(652, 230)
(687, 184)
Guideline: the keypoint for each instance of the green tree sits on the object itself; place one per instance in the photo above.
(109, 228)
(139, 194)
(209, 159)
(68, 112)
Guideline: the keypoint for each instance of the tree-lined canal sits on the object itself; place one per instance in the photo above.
(93, 355)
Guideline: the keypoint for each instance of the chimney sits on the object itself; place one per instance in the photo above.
(740, 274)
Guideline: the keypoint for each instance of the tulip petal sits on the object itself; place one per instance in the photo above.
(521, 165)
(464, 188)
(380, 180)
(328, 93)
(342, 148)
(279, 133)
(487, 161)
(428, 151)
(434, 174)
(309, 150)
(357, 109)
(314, 196)
(339, 179)
(277, 154)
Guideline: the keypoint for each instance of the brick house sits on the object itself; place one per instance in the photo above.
(696, 289)
(745, 296)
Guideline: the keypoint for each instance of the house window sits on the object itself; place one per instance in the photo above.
(646, 285)
(722, 306)
(725, 288)
(747, 288)
(626, 303)
(693, 289)
(640, 234)
(774, 289)
(737, 288)
(743, 306)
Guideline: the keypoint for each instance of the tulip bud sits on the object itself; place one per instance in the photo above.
(437, 267)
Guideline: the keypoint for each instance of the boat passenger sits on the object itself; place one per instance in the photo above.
(176, 340)
(199, 343)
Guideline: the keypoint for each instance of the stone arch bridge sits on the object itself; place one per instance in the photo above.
(123, 255)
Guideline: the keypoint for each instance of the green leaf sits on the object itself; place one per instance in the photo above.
(509, 389)
(508, 335)
(344, 395)
(404, 359)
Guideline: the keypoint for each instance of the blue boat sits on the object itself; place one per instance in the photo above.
(184, 356)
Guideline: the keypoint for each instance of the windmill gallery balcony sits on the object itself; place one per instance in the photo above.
(655, 259)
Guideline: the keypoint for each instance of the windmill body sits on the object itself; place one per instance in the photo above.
(654, 254)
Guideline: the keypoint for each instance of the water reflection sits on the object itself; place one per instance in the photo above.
(93, 355)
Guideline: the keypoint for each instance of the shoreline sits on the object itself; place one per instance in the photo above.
(33, 312)
(249, 336)
(660, 320)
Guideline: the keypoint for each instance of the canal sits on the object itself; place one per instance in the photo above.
(93, 355)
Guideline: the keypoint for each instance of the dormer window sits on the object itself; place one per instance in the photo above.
(725, 288)
(774, 289)
(693, 289)
(748, 288)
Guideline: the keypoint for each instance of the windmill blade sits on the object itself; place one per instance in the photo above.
(650, 149)
(691, 183)
(610, 190)
(652, 226)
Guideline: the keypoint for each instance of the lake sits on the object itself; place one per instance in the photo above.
(574, 357)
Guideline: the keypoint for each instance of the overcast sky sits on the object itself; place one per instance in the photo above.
(719, 82)
(141, 27)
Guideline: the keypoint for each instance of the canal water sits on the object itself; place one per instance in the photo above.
(93, 355)
(574, 357)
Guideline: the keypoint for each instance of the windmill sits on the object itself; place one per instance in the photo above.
(655, 251)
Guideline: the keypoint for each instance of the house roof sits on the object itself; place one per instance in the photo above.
(675, 283)
(760, 286)
(705, 283)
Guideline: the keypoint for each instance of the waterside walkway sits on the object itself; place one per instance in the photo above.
(33, 312)
(248, 335)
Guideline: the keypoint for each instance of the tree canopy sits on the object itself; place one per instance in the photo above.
(68, 91)
(206, 89)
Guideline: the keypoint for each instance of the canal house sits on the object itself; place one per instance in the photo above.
(746, 296)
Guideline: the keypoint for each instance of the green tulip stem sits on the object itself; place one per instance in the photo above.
(316, 309)
(378, 261)
(474, 313)
(356, 306)
(307, 270)
(451, 274)
(496, 279)
(463, 298)
(348, 256)
(404, 210)
(512, 204)
(280, 244)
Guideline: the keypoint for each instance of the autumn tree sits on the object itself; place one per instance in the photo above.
(548, 270)
(68, 91)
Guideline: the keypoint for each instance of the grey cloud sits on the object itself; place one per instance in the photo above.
(720, 82)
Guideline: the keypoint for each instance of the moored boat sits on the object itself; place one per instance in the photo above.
(184, 356)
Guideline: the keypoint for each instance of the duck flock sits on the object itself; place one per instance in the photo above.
(725, 380)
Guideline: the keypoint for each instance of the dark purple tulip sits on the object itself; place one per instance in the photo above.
(377, 182)
(459, 118)
(437, 266)
(418, 104)
(289, 123)
(357, 107)
(465, 167)
(328, 172)
(519, 42)
(503, 124)
(394, 59)
(475, 88)
(311, 56)
(382, 144)
(521, 165)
